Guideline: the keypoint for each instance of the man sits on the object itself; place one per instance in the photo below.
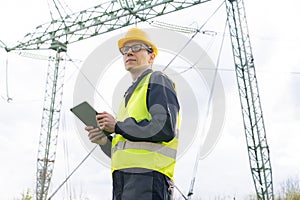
(143, 148)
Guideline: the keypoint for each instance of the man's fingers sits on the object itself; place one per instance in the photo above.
(97, 137)
(88, 128)
(94, 131)
(106, 122)
(95, 134)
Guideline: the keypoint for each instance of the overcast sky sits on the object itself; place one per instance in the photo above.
(275, 41)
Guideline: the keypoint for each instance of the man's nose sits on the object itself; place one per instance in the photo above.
(129, 52)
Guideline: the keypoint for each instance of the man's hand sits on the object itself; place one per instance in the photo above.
(106, 122)
(96, 135)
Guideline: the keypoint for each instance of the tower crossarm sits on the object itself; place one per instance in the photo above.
(99, 19)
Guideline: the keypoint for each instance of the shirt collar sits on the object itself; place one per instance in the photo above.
(147, 71)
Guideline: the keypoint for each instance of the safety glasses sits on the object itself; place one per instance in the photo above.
(134, 48)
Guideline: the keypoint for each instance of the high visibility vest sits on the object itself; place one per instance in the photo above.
(159, 156)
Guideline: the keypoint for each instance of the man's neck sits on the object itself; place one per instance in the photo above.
(138, 71)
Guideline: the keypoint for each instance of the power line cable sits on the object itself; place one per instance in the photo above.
(92, 85)
(50, 10)
(66, 156)
(199, 59)
(197, 31)
(63, 6)
(190, 193)
(2, 45)
(8, 98)
(72, 172)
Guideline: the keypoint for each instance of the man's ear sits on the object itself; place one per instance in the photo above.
(152, 57)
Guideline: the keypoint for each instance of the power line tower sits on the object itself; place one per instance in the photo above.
(258, 149)
(114, 15)
(50, 122)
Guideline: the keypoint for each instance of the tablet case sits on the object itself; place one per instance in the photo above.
(86, 113)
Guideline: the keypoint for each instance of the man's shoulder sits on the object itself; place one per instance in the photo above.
(159, 77)
(158, 73)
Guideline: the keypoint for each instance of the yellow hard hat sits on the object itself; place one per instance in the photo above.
(139, 35)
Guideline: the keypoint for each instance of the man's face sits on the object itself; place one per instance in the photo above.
(132, 60)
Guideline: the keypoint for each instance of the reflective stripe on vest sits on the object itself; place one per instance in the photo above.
(153, 147)
(154, 156)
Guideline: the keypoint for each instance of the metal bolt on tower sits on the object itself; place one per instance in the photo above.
(50, 122)
(258, 149)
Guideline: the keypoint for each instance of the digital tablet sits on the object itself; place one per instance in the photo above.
(86, 113)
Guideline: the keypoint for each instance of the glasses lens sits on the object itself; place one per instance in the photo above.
(124, 50)
(136, 47)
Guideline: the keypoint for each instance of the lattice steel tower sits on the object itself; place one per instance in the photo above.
(258, 149)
